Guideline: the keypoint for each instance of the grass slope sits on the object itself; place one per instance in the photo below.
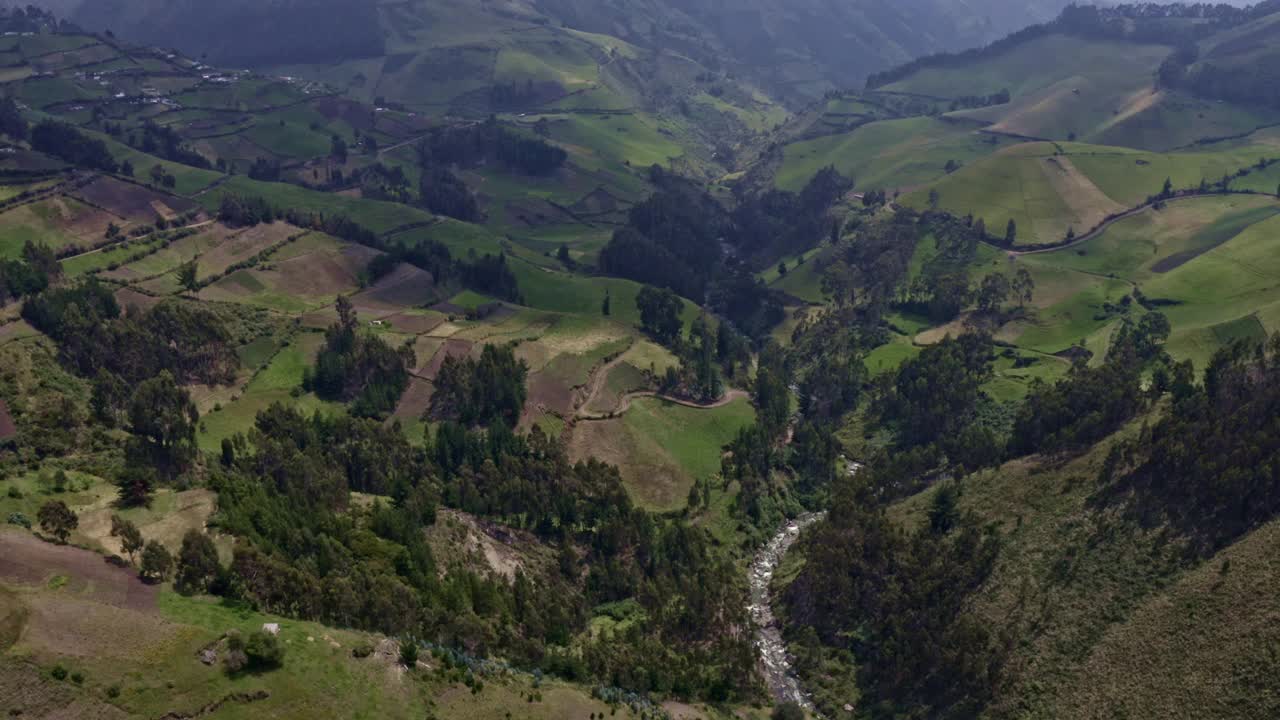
(886, 154)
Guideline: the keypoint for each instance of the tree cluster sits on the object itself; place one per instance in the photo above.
(482, 392)
(1091, 402)
(1208, 467)
(359, 368)
(897, 601)
(312, 555)
(488, 274)
(477, 143)
(671, 240)
(30, 274)
(188, 340)
(778, 223)
(66, 143)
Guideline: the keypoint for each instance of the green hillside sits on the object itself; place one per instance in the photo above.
(888, 154)
(567, 359)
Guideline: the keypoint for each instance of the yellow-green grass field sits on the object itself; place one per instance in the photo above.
(1207, 260)
(663, 448)
(1059, 84)
(893, 154)
(277, 382)
(140, 657)
(1125, 627)
(1044, 193)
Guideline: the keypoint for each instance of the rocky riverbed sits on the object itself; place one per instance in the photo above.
(775, 661)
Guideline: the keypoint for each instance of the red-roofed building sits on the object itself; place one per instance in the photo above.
(8, 430)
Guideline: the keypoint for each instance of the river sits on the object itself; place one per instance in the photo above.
(775, 661)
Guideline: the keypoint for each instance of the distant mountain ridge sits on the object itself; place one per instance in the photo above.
(796, 49)
(801, 47)
(239, 32)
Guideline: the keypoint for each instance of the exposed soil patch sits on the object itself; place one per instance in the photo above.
(548, 392)
(243, 246)
(191, 510)
(502, 550)
(126, 297)
(415, 401)
(356, 115)
(34, 695)
(134, 202)
(406, 286)
(8, 429)
(536, 213)
(424, 349)
(452, 348)
(414, 324)
(29, 560)
(449, 308)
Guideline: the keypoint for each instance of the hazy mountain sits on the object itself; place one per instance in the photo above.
(802, 45)
(797, 48)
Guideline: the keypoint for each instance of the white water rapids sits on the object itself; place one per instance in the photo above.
(775, 661)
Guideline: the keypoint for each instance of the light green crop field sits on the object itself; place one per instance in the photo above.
(1100, 91)
(287, 139)
(189, 180)
(1069, 307)
(568, 64)
(803, 280)
(57, 222)
(596, 140)
(1129, 177)
(1011, 384)
(887, 358)
(78, 265)
(1062, 87)
(1230, 281)
(1045, 194)
(45, 91)
(887, 154)
(584, 243)
(1140, 247)
(1209, 258)
(274, 383)
(461, 238)
(375, 215)
(1036, 65)
(663, 448)
(545, 289)
(1171, 119)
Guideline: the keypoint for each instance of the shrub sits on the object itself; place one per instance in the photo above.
(235, 659)
(264, 651)
(363, 650)
(20, 519)
(787, 711)
(409, 654)
(58, 672)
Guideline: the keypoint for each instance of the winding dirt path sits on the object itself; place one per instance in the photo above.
(595, 385)
(625, 403)
(1099, 229)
